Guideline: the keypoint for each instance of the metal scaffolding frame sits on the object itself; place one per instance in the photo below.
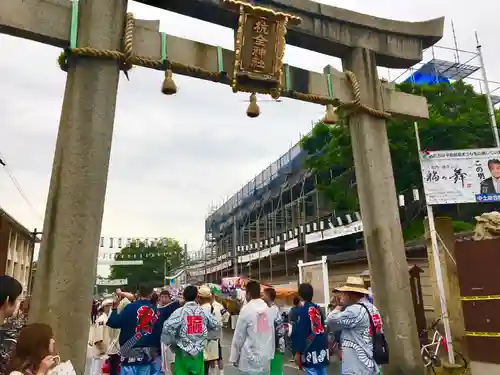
(278, 214)
(262, 211)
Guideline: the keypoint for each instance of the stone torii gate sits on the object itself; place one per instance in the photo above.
(73, 218)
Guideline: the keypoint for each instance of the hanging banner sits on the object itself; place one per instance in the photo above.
(121, 242)
(461, 176)
(111, 282)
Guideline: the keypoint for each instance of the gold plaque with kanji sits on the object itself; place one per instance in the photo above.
(259, 48)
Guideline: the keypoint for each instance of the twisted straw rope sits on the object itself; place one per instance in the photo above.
(353, 106)
(356, 104)
(128, 59)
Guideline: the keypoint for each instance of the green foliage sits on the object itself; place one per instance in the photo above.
(158, 259)
(462, 226)
(458, 120)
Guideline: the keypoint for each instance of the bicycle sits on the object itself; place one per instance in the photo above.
(431, 352)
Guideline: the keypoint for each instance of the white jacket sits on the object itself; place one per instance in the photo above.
(252, 348)
(220, 312)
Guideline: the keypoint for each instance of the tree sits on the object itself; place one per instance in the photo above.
(458, 120)
(159, 260)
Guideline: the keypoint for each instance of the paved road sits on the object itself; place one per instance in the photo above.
(289, 367)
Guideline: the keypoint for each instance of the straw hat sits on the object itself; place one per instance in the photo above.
(106, 302)
(354, 284)
(204, 292)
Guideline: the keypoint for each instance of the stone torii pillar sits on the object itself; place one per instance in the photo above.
(382, 232)
(68, 255)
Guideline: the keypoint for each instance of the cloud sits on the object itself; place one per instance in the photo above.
(173, 156)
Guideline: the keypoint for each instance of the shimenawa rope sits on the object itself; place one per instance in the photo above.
(128, 59)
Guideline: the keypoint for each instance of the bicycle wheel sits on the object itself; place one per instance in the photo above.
(460, 359)
(427, 357)
(430, 359)
(431, 370)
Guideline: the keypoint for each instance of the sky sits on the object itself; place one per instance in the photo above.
(173, 157)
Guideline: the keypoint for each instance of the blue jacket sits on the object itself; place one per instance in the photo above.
(137, 315)
(164, 313)
(309, 337)
(128, 322)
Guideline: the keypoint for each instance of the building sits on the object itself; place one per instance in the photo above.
(275, 220)
(280, 218)
(17, 246)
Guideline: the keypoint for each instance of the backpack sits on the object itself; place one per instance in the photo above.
(380, 346)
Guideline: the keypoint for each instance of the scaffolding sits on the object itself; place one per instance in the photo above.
(464, 65)
(281, 206)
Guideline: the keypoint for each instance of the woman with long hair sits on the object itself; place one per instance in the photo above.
(34, 352)
(10, 323)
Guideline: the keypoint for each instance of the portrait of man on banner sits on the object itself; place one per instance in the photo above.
(491, 185)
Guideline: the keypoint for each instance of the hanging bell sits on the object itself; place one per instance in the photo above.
(331, 117)
(253, 108)
(168, 87)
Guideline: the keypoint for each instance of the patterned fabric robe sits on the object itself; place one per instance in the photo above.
(187, 328)
(356, 340)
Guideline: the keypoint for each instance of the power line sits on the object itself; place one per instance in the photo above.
(18, 186)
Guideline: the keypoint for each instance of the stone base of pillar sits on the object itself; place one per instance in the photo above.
(483, 368)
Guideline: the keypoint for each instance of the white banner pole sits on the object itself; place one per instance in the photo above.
(491, 109)
(326, 286)
(437, 267)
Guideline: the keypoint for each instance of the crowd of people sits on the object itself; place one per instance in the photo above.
(24, 349)
(150, 333)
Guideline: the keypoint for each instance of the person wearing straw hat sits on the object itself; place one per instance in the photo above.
(211, 346)
(101, 334)
(351, 317)
(114, 357)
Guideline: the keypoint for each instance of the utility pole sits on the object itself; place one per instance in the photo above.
(75, 204)
(34, 239)
(164, 269)
(185, 255)
(234, 250)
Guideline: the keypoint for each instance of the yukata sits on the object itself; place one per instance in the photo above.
(279, 331)
(310, 340)
(253, 345)
(356, 340)
(187, 330)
